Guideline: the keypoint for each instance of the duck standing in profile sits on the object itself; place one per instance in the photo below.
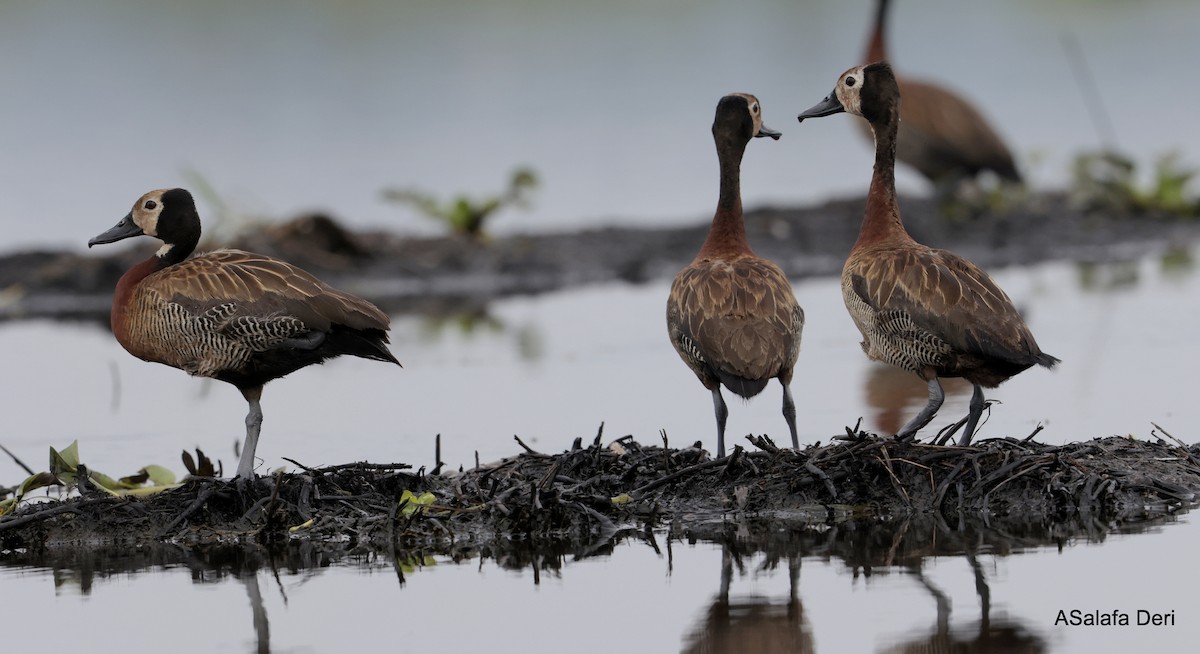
(238, 317)
(731, 315)
(941, 134)
(925, 310)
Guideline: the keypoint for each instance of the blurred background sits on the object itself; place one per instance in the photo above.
(318, 106)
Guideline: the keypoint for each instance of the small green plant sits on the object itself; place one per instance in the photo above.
(1107, 181)
(411, 503)
(466, 216)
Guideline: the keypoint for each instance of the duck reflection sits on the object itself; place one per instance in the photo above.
(752, 623)
(895, 394)
(1002, 636)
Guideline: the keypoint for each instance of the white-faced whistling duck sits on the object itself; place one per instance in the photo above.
(941, 134)
(926, 310)
(238, 317)
(731, 315)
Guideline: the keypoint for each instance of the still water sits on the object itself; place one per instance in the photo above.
(669, 596)
(553, 367)
(285, 107)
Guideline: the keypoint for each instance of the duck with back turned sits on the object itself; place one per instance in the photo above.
(235, 316)
(731, 315)
(925, 310)
(941, 134)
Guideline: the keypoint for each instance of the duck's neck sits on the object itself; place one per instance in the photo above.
(875, 51)
(882, 220)
(727, 236)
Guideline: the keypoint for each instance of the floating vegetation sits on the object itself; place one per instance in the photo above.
(1107, 181)
(464, 215)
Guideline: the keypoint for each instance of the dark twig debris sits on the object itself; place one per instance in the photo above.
(586, 493)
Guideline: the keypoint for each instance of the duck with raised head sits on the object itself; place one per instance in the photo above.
(941, 134)
(925, 310)
(731, 315)
(235, 316)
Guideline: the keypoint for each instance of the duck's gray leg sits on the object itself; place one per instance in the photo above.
(936, 397)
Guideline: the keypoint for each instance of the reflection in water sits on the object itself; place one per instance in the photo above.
(1107, 276)
(472, 320)
(262, 626)
(772, 621)
(81, 567)
(897, 394)
(752, 623)
(1003, 636)
(1177, 262)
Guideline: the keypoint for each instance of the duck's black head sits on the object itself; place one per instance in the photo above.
(166, 214)
(869, 91)
(739, 118)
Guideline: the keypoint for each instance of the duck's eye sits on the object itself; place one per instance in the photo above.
(149, 205)
(754, 108)
(849, 81)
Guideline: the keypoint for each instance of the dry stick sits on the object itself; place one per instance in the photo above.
(919, 465)
(820, 474)
(40, 515)
(527, 448)
(1182, 445)
(199, 501)
(887, 465)
(666, 451)
(733, 458)
(295, 463)
(763, 444)
(1031, 468)
(638, 493)
(19, 462)
(273, 504)
(940, 494)
(437, 455)
(1036, 431)
(551, 474)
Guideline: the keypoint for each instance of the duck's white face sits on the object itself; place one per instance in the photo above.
(146, 211)
(849, 90)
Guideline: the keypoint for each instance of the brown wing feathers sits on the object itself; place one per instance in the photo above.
(951, 299)
(259, 318)
(736, 322)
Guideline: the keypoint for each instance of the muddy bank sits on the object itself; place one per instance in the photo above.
(585, 496)
(432, 275)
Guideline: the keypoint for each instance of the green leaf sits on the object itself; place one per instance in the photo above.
(623, 498)
(71, 454)
(40, 480)
(64, 464)
(159, 476)
(106, 483)
(413, 503)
